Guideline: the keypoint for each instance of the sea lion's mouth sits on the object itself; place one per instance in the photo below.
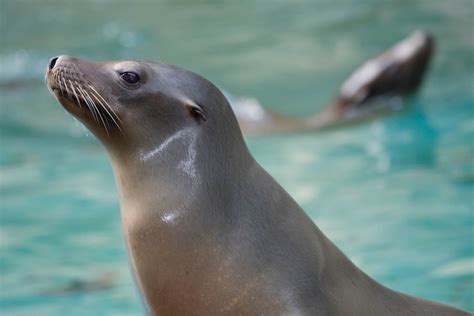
(62, 95)
(78, 95)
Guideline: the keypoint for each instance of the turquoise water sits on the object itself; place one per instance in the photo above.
(396, 195)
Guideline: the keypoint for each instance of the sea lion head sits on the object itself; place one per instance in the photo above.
(134, 106)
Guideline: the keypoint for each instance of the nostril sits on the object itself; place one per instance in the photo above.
(52, 62)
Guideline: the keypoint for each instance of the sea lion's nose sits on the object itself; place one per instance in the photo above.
(52, 62)
(61, 59)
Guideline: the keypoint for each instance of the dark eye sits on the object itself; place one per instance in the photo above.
(130, 77)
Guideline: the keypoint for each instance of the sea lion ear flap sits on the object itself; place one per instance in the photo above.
(196, 110)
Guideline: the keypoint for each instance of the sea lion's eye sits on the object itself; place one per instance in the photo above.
(130, 77)
(197, 111)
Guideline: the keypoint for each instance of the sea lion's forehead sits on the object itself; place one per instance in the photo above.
(159, 69)
(128, 65)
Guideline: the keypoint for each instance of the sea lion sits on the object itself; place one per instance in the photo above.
(373, 89)
(209, 231)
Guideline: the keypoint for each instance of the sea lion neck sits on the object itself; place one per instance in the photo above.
(180, 165)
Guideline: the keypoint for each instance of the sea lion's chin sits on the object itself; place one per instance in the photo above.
(76, 109)
(79, 109)
(72, 106)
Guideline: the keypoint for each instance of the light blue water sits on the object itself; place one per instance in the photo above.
(396, 195)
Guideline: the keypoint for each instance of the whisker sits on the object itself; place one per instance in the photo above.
(75, 94)
(86, 101)
(98, 112)
(107, 111)
(106, 107)
(106, 103)
(67, 89)
(60, 83)
(56, 78)
(90, 105)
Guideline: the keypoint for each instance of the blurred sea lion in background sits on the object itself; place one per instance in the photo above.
(373, 89)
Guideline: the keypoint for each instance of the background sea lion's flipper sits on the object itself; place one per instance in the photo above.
(397, 72)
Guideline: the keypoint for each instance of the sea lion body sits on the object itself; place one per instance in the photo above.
(209, 232)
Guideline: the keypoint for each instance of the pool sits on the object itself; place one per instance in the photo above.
(396, 194)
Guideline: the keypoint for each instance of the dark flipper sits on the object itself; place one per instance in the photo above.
(397, 72)
(375, 88)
